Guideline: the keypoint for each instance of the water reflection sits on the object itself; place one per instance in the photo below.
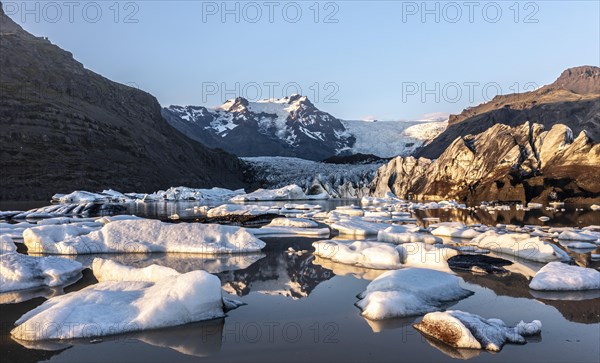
(200, 339)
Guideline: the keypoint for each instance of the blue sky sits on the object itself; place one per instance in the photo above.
(387, 60)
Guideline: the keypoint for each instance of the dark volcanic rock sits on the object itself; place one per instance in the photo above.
(573, 100)
(66, 128)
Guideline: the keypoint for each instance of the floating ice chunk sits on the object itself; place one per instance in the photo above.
(123, 217)
(81, 196)
(302, 207)
(558, 276)
(185, 193)
(50, 234)
(146, 235)
(349, 211)
(544, 219)
(363, 254)
(18, 271)
(419, 254)
(107, 270)
(289, 192)
(293, 222)
(456, 232)
(519, 245)
(241, 210)
(581, 245)
(408, 292)
(110, 308)
(464, 330)
(14, 230)
(268, 231)
(575, 235)
(358, 227)
(7, 245)
(404, 234)
(534, 205)
(595, 207)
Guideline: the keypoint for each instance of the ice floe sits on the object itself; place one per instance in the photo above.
(358, 227)
(7, 245)
(19, 271)
(519, 245)
(455, 230)
(406, 234)
(575, 235)
(109, 308)
(107, 270)
(558, 276)
(289, 192)
(408, 292)
(375, 255)
(460, 329)
(241, 210)
(146, 235)
(292, 222)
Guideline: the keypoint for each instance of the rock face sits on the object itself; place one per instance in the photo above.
(523, 163)
(573, 100)
(291, 126)
(66, 128)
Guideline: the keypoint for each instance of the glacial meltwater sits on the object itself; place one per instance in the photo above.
(301, 307)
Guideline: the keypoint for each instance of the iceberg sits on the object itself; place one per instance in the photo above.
(107, 270)
(460, 329)
(519, 245)
(147, 235)
(375, 255)
(575, 235)
(226, 210)
(558, 276)
(409, 292)
(19, 271)
(455, 232)
(110, 307)
(406, 234)
(358, 227)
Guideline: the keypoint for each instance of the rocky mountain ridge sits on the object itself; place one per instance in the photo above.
(522, 163)
(66, 128)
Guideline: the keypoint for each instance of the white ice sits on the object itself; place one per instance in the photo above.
(146, 235)
(358, 227)
(7, 245)
(107, 270)
(289, 192)
(558, 276)
(404, 234)
(375, 255)
(519, 245)
(409, 292)
(241, 210)
(109, 308)
(575, 235)
(19, 271)
(465, 330)
(455, 232)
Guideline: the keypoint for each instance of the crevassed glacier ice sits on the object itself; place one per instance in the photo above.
(109, 308)
(146, 235)
(464, 330)
(289, 192)
(409, 291)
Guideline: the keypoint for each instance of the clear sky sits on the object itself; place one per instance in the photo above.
(387, 60)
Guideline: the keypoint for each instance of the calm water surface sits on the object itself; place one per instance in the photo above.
(301, 308)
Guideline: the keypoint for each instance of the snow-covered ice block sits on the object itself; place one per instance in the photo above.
(268, 231)
(408, 292)
(107, 270)
(293, 222)
(147, 235)
(362, 254)
(464, 330)
(424, 255)
(240, 210)
(289, 192)
(455, 232)
(580, 245)
(575, 235)
(122, 217)
(405, 234)
(18, 271)
(519, 245)
(109, 308)
(358, 227)
(7, 245)
(50, 234)
(558, 276)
